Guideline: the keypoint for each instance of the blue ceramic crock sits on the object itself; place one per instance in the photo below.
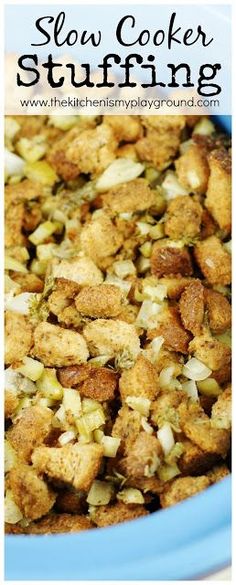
(188, 541)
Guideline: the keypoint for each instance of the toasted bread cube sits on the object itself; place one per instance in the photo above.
(209, 226)
(14, 219)
(125, 128)
(30, 430)
(126, 427)
(218, 199)
(210, 351)
(76, 465)
(169, 260)
(104, 300)
(131, 197)
(193, 170)
(31, 494)
(92, 150)
(162, 139)
(218, 472)
(116, 513)
(182, 488)
(62, 296)
(82, 271)
(143, 456)
(57, 155)
(218, 311)
(198, 428)
(213, 260)
(140, 380)
(60, 523)
(171, 328)
(221, 414)
(183, 218)
(191, 307)
(100, 238)
(28, 282)
(96, 383)
(26, 190)
(195, 461)
(106, 337)
(18, 337)
(55, 346)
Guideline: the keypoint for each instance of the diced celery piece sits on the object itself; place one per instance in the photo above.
(31, 368)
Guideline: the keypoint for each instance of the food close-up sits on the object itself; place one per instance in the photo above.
(117, 317)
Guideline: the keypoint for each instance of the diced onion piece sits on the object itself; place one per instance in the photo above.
(11, 127)
(19, 303)
(167, 472)
(139, 403)
(143, 228)
(42, 232)
(12, 513)
(194, 369)
(119, 171)
(63, 122)
(72, 401)
(130, 496)
(10, 285)
(146, 426)
(41, 171)
(167, 378)
(13, 164)
(60, 414)
(49, 385)
(225, 338)
(100, 493)
(15, 265)
(124, 285)
(110, 445)
(191, 389)
(172, 186)
(31, 368)
(166, 438)
(204, 127)
(17, 383)
(147, 316)
(155, 346)
(146, 249)
(155, 293)
(99, 360)
(152, 466)
(209, 387)
(33, 149)
(10, 456)
(126, 216)
(66, 437)
(123, 268)
(45, 251)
